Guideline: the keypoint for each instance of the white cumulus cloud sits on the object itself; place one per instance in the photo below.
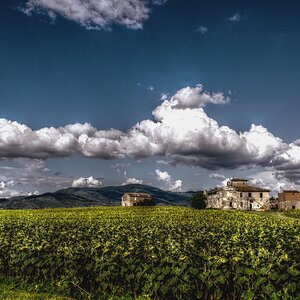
(194, 97)
(86, 182)
(180, 130)
(132, 181)
(163, 176)
(172, 185)
(94, 14)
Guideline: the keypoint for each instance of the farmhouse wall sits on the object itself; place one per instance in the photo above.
(238, 195)
(134, 199)
(289, 200)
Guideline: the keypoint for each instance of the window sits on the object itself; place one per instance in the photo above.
(249, 194)
(230, 204)
(261, 195)
(241, 204)
(293, 207)
(241, 195)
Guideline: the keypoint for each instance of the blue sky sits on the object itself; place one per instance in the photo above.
(168, 92)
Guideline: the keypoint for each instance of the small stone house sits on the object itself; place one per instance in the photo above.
(289, 200)
(238, 194)
(137, 199)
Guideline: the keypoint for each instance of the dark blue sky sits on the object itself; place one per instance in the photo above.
(54, 73)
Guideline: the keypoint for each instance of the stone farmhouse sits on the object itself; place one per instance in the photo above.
(238, 194)
(137, 199)
(289, 200)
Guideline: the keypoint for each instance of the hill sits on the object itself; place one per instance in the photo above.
(79, 197)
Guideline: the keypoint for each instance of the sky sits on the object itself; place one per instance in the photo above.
(181, 95)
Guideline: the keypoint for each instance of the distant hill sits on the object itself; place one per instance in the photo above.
(79, 197)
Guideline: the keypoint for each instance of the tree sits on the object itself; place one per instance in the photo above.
(198, 200)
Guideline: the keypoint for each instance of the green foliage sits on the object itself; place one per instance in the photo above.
(12, 289)
(198, 200)
(153, 253)
(293, 213)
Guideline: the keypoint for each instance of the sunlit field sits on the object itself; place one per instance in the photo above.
(153, 253)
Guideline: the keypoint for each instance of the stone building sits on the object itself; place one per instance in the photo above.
(289, 200)
(137, 199)
(238, 194)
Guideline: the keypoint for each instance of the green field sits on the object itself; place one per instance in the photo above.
(293, 213)
(151, 253)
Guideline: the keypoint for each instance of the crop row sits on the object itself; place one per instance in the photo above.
(293, 213)
(155, 252)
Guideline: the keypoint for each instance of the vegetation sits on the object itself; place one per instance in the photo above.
(293, 213)
(11, 289)
(198, 200)
(153, 253)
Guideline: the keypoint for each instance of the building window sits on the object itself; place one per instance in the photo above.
(251, 201)
(293, 207)
(230, 204)
(241, 195)
(257, 205)
(261, 195)
(249, 195)
(241, 204)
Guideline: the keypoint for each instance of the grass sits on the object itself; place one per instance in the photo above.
(12, 289)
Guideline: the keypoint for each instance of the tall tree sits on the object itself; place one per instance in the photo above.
(198, 200)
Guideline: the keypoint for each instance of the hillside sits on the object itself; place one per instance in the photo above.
(79, 197)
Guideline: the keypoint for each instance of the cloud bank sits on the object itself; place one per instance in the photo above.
(21, 176)
(270, 180)
(95, 14)
(180, 130)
